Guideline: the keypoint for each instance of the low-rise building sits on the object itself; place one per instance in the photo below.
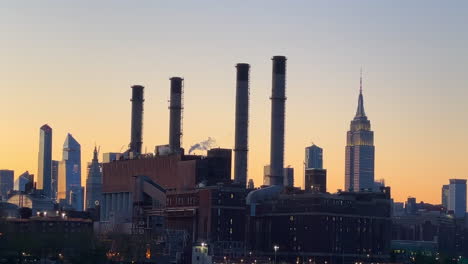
(46, 236)
(334, 228)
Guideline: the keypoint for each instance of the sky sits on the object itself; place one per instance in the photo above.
(71, 65)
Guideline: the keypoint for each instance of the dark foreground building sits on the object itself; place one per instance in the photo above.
(200, 204)
(46, 237)
(213, 215)
(326, 228)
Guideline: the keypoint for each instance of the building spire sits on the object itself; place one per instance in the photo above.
(95, 153)
(360, 83)
(360, 113)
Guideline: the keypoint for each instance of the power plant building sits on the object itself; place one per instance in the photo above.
(195, 201)
(111, 156)
(325, 228)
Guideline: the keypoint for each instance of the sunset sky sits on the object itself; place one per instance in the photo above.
(71, 65)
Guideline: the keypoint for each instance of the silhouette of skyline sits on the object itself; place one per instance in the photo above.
(70, 67)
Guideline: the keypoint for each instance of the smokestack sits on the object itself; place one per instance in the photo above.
(242, 124)
(278, 102)
(137, 119)
(175, 108)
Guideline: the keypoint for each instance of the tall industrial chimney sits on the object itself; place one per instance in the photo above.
(137, 119)
(278, 101)
(175, 108)
(242, 124)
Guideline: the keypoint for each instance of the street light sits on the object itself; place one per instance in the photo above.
(275, 247)
(203, 245)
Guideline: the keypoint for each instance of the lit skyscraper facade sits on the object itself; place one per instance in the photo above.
(24, 181)
(70, 192)
(54, 191)
(313, 157)
(94, 183)
(360, 151)
(445, 195)
(6, 183)
(44, 174)
(457, 197)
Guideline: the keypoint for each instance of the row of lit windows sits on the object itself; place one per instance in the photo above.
(182, 201)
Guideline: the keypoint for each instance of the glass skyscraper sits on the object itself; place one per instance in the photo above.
(313, 157)
(44, 174)
(22, 182)
(457, 197)
(6, 183)
(70, 192)
(360, 151)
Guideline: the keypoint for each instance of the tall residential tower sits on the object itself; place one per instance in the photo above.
(360, 151)
(314, 157)
(44, 174)
(315, 176)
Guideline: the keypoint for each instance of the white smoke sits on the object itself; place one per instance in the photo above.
(204, 145)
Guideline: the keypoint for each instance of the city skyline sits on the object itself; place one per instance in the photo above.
(416, 103)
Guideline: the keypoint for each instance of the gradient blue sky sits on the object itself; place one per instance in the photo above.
(70, 64)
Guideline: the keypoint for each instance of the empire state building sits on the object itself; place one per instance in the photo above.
(360, 151)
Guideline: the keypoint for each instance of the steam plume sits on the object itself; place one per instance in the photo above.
(204, 145)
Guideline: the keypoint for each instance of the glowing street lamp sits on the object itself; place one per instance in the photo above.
(275, 247)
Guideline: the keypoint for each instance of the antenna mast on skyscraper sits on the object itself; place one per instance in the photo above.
(360, 83)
